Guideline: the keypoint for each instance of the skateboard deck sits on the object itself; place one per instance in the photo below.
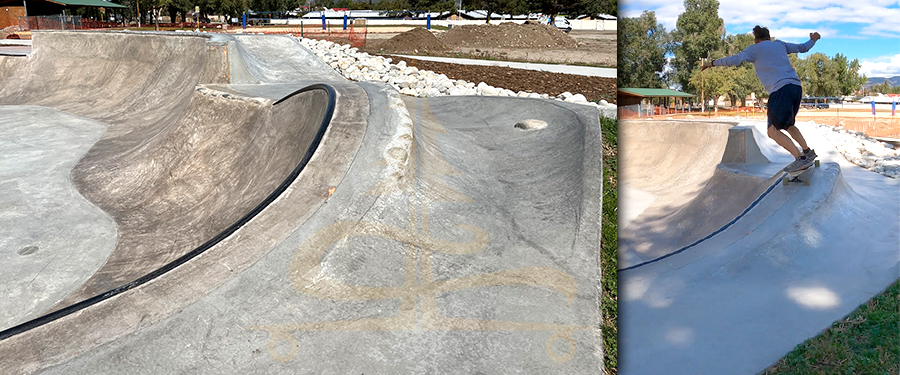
(802, 176)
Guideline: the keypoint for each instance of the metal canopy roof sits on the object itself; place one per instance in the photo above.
(87, 3)
(652, 93)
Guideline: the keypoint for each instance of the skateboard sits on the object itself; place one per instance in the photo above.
(803, 175)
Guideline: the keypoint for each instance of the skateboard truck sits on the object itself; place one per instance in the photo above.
(803, 175)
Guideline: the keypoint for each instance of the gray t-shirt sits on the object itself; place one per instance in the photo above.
(770, 59)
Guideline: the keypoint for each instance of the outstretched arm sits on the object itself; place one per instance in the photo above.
(801, 48)
(733, 60)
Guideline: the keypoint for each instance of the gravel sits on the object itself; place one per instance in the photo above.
(864, 151)
(409, 80)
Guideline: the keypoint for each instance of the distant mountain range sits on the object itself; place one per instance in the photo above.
(894, 81)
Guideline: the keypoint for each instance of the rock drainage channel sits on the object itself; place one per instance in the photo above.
(409, 80)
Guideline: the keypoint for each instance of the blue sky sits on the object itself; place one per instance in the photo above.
(865, 30)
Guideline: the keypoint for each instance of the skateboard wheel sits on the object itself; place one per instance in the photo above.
(806, 182)
(785, 181)
(817, 163)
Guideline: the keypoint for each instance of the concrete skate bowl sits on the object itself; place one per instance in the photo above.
(682, 181)
(192, 161)
(177, 169)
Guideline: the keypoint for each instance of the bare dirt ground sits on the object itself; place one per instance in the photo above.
(592, 47)
(882, 125)
(593, 88)
(529, 43)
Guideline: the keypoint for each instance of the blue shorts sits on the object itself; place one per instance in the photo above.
(784, 104)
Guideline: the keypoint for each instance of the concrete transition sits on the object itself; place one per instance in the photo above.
(195, 203)
(723, 270)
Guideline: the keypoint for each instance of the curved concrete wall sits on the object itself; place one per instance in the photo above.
(678, 164)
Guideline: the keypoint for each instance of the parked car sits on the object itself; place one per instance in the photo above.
(811, 105)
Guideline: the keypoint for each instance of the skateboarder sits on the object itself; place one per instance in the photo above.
(770, 60)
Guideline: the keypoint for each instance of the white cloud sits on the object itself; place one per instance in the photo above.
(878, 17)
(799, 33)
(887, 66)
(667, 12)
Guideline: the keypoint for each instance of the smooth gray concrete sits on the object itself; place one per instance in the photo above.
(51, 238)
(423, 236)
(280, 59)
(799, 259)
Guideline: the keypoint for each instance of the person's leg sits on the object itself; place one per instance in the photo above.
(779, 114)
(795, 133)
(783, 140)
(793, 95)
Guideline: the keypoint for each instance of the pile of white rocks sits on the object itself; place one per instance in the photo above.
(409, 80)
(864, 151)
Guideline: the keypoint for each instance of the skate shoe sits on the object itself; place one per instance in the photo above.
(800, 164)
(811, 154)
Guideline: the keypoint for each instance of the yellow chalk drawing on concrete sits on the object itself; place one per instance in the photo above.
(308, 276)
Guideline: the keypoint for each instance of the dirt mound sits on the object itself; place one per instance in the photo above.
(417, 39)
(508, 35)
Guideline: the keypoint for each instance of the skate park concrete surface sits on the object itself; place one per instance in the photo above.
(722, 268)
(198, 203)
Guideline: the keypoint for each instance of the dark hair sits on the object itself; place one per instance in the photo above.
(761, 33)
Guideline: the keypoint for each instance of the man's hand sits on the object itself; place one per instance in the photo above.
(706, 66)
(815, 36)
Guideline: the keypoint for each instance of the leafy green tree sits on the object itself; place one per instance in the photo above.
(712, 83)
(885, 88)
(641, 50)
(698, 31)
(156, 7)
(495, 6)
(594, 7)
(553, 8)
(395, 5)
(743, 78)
(818, 76)
(849, 79)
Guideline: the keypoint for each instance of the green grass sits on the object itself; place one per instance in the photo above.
(865, 342)
(609, 244)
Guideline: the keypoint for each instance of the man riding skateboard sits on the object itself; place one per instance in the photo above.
(774, 70)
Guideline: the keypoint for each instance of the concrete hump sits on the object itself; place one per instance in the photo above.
(275, 59)
(742, 147)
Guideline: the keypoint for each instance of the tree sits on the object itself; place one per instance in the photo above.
(743, 78)
(156, 8)
(554, 7)
(849, 79)
(818, 76)
(712, 83)
(641, 49)
(698, 31)
(595, 7)
(494, 6)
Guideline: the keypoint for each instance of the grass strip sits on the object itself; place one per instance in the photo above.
(609, 245)
(865, 342)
